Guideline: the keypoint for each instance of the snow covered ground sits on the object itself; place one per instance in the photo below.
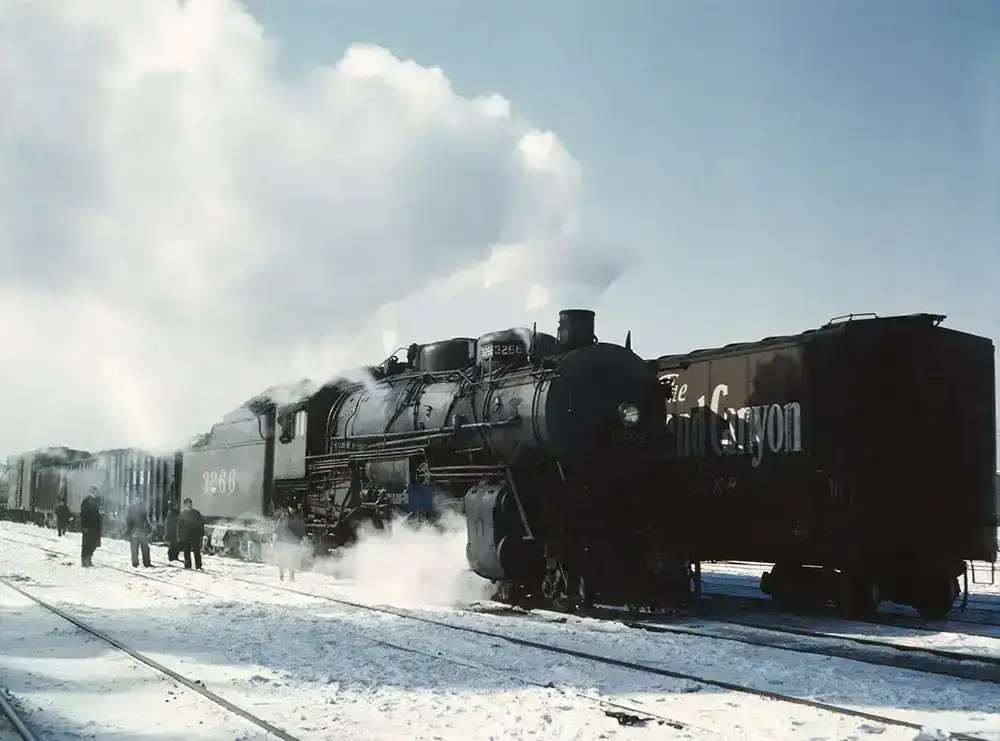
(69, 679)
(7, 732)
(321, 670)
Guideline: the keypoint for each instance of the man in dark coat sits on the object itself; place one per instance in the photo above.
(62, 517)
(288, 536)
(170, 533)
(137, 527)
(191, 530)
(90, 526)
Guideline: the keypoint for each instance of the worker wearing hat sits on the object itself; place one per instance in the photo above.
(90, 526)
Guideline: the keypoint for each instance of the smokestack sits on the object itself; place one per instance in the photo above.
(576, 328)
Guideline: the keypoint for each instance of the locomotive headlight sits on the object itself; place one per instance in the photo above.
(629, 414)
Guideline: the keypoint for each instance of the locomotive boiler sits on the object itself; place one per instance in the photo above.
(550, 446)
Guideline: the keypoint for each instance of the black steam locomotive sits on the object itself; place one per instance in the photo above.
(550, 446)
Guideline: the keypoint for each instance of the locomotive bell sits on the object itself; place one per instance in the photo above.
(576, 328)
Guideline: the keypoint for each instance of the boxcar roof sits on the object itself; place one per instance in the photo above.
(837, 324)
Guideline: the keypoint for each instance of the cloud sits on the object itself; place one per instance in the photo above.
(182, 225)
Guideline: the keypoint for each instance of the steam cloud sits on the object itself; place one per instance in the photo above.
(181, 225)
(409, 566)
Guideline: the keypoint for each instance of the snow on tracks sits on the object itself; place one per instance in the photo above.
(315, 671)
(70, 685)
(696, 703)
(12, 725)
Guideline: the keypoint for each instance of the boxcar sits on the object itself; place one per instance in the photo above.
(118, 475)
(26, 501)
(49, 482)
(19, 487)
(859, 458)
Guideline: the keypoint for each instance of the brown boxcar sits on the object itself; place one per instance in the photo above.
(866, 448)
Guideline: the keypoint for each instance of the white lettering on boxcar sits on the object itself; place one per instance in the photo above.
(679, 392)
(717, 429)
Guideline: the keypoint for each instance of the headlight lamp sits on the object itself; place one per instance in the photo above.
(629, 414)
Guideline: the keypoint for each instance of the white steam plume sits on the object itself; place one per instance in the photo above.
(183, 222)
(409, 565)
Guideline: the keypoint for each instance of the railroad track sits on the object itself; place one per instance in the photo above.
(979, 620)
(604, 660)
(13, 716)
(157, 667)
(731, 604)
(924, 659)
(625, 713)
(618, 663)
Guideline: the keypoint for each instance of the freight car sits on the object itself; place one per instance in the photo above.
(23, 504)
(44, 478)
(548, 444)
(857, 458)
(4, 485)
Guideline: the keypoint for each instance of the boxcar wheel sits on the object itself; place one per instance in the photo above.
(858, 596)
(937, 599)
(792, 592)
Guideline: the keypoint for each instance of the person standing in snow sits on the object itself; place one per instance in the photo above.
(137, 527)
(170, 533)
(62, 517)
(90, 527)
(191, 530)
(288, 536)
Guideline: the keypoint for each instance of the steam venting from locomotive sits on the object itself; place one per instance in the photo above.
(408, 565)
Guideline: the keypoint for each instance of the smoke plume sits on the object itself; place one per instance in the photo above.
(185, 222)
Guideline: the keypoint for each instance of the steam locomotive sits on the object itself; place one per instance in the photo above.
(548, 444)
(551, 446)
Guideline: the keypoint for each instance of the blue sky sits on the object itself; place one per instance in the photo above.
(771, 163)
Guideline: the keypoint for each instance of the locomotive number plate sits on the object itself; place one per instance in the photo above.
(628, 437)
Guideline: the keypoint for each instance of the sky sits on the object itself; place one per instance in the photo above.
(201, 199)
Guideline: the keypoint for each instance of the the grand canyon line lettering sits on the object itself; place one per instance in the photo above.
(722, 430)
